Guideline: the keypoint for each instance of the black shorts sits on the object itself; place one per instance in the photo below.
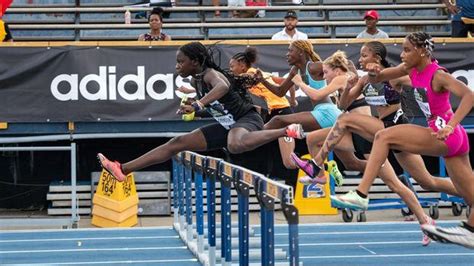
(281, 111)
(395, 118)
(216, 135)
(361, 145)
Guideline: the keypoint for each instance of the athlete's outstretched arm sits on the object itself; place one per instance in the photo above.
(278, 89)
(318, 95)
(377, 74)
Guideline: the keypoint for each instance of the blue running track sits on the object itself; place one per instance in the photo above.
(320, 244)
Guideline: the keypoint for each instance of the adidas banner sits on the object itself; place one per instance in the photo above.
(80, 83)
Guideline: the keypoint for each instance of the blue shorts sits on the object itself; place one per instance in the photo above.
(326, 114)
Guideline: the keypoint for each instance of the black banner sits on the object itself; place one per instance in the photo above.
(75, 83)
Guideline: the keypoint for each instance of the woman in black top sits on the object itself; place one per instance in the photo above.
(155, 19)
(225, 97)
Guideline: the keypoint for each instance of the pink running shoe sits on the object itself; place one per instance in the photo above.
(308, 166)
(295, 131)
(114, 168)
(426, 240)
(306, 180)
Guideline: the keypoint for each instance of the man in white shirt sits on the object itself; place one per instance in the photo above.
(290, 32)
(371, 18)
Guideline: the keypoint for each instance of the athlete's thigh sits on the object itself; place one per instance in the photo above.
(306, 119)
(363, 125)
(413, 139)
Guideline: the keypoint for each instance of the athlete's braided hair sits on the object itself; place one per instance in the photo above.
(422, 39)
(379, 49)
(338, 60)
(307, 47)
(205, 56)
(249, 56)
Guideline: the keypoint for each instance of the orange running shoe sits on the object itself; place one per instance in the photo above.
(114, 168)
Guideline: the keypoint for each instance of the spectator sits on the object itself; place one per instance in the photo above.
(371, 18)
(235, 3)
(290, 32)
(155, 20)
(461, 9)
(217, 13)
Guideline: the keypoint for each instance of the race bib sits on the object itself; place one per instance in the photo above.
(375, 96)
(440, 123)
(422, 99)
(221, 115)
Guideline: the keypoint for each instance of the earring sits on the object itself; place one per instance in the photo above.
(423, 55)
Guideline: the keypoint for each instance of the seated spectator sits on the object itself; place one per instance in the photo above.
(371, 18)
(156, 23)
(254, 13)
(462, 9)
(5, 35)
(235, 3)
(290, 32)
(217, 13)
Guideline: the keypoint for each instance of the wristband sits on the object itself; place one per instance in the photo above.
(197, 105)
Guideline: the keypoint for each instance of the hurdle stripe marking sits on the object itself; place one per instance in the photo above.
(370, 251)
(89, 238)
(88, 250)
(111, 262)
(387, 255)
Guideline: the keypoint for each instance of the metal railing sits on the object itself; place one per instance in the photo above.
(207, 23)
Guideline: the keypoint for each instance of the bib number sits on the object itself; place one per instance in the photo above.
(221, 115)
(440, 123)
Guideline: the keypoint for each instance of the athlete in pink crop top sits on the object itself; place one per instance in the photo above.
(444, 136)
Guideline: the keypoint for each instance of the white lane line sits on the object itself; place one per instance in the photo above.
(90, 229)
(88, 250)
(370, 251)
(387, 256)
(339, 224)
(110, 262)
(89, 238)
(351, 243)
(354, 233)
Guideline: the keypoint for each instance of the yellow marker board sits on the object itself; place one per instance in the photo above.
(111, 188)
(115, 203)
(313, 199)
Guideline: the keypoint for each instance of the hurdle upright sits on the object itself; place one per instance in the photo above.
(191, 170)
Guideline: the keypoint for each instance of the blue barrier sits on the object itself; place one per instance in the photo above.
(191, 170)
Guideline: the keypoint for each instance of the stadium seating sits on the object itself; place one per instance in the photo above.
(50, 20)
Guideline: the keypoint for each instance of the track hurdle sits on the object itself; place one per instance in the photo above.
(188, 166)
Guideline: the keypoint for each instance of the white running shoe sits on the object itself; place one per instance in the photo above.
(458, 235)
(426, 240)
(350, 200)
